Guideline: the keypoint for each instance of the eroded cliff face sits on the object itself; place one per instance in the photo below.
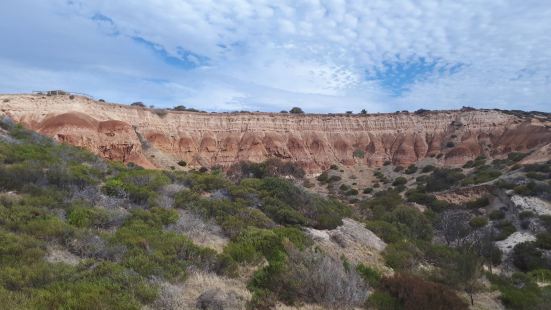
(150, 139)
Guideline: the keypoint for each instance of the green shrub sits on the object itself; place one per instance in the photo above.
(334, 178)
(369, 274)
(478, 203)
(526, 214)
(323, 177)
(506, 229)
(516, 156)
(545, 220)
(478, 222)
(527, 257)
(383, 301)
(428, 168)
(386, 231)
(399, 181)
(86, 216)
(519, 292)
(442, 179)
(543, 240)
(358, 153)
(481, 175)
(411, 169)
(272, 167)
(496, 215)
(411, 222)
(368, 190)
(402, 255)
(296, 110)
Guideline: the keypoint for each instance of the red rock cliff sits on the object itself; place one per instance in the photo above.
(150, 139)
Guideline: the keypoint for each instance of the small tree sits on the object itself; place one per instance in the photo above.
(138, 104)
(179, 108)
(358, 153)
(296, 110)
(454, 226)
(468, 267)
(364, 111)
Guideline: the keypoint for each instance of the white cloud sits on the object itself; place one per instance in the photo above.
(262, 54)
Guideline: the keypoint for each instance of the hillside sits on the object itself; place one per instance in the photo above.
(162, 138)
(444, 209)
(80, 232)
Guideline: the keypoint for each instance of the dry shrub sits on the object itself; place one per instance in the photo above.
(200, 231)
(202, 291)
(415, 293)
(318, 278)
(160, 112)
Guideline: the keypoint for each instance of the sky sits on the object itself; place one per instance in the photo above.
(260, 55)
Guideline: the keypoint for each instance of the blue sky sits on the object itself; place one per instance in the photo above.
(325, 56)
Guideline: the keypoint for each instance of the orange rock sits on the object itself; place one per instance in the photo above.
(120, 132)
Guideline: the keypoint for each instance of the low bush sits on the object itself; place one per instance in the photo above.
(370, 275)
(386, 231)
(402, 255)
(496, 215)
(268, 168)
(478, 222)
(411, 169)
(428, 168)
(358, 153)
(87, 216)
(442, 179)
(478, 203)
(415, 293)
(481, 175)
(516, 156)
(367, 190)
(399, 181)
(505, 229)
(519, 292)
(527, 257)
(543, 240)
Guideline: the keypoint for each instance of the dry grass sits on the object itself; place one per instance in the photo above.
(200, 231)
(57, 254)
(353, 241)
(206, 288)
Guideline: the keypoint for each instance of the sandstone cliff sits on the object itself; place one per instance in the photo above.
(154, 139)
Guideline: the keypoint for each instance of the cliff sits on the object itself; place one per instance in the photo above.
(161, 139)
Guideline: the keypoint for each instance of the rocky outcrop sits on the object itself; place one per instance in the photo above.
(126, 133)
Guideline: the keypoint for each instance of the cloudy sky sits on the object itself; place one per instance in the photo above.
(322, 55)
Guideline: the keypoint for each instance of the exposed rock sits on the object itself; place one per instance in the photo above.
(121, 132)
(507, 245)
(351, 240)
(464, 194)
(534, 204)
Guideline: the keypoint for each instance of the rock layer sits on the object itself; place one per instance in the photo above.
(120, 132)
